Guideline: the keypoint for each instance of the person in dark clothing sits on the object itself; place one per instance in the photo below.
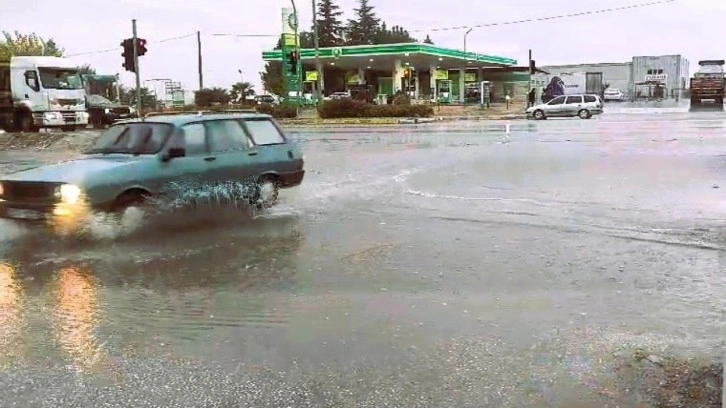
(531, 97)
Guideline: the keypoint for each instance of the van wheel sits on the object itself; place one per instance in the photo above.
(584, 114)
(267, 192)
(539, 114)
(24, 122)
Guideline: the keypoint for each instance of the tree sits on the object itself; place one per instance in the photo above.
(271, 77)
(207, 97)
(394, 35)
(330, 28)
(18, 44)
(362, 29)
(86, 69)
(240, 91)
(428, 40)
(148, 99)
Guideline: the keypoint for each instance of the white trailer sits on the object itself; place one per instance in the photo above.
(575, 82)
(41, 92)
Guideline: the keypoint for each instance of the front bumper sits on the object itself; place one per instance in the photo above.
(113, 117)
(63, 118)
(41, 210)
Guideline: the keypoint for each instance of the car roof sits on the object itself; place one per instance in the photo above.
(181, 120)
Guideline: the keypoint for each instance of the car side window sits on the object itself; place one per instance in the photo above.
(227, 135)
(264, 132)
(574, 99)
(195, 140)
(557, 101)
(590, 99)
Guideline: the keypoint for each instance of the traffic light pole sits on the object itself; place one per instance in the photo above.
(318, 66)
(136, 64)
(297, 50)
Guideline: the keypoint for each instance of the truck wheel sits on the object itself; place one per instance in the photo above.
(24, 122)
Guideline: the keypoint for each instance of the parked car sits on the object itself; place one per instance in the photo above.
(103, 112)
(337, 96)
(265, 100)
(582, 106)
(136, 159)
(613, 94)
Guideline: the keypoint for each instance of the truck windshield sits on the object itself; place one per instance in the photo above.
(60, 78)
(132, 138)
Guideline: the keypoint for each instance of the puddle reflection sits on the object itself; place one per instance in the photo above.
(11, 316)
(76, 318)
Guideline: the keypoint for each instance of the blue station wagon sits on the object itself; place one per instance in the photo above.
(140, 158)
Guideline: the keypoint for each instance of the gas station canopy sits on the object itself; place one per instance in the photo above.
(384, 57)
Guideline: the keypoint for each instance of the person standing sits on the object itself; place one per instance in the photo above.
(531, 97)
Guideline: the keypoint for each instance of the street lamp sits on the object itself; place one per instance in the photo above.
(297, 49)
(465, 35)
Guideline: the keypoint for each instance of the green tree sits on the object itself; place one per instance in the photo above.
(271, 78)
(207, 97)
(428, 40)
(86, 69)
(394, 35)
(330, 27)
(148, 98)
(18, 44)
(362, 29)
(240, 91)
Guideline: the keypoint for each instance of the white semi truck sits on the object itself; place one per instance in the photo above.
(41, 92)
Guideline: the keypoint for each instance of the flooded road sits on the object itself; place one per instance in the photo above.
(430, 266)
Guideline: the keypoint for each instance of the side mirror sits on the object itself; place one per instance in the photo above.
(173, 153)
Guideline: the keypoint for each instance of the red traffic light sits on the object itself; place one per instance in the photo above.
(140, 46)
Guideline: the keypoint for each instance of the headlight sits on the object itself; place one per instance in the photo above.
(69, 193)
(107, 111)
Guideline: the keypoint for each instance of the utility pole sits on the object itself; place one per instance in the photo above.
(529, 64)
(136, 64)
(318, 65)
(199, 60)
(297, 49)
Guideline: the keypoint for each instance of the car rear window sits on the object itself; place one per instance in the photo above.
(590, 98)
(264, 132)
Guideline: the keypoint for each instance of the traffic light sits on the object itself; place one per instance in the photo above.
(532, 67)
(292, 59)
(128, 54)
(140, 46)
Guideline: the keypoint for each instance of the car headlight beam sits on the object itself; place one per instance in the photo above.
(69, 193)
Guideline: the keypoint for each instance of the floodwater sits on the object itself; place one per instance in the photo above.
(425, 266)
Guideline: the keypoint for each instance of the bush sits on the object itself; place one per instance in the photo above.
(278, 111)
(349, 108)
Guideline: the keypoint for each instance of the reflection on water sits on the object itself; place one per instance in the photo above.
(76, 317)
(11, 321)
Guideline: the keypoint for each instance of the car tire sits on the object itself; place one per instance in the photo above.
(24, 122)
(584, 114)
(538, 114)
(267, 191)
(129, 199)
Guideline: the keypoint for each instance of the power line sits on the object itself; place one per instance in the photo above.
(117, 48)
(532, 20)
(246, 35)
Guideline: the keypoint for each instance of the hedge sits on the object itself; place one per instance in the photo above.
(350, 108)
(278, 111)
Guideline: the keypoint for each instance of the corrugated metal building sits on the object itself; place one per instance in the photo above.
(670, 71)
(616, 75)
(663, 76)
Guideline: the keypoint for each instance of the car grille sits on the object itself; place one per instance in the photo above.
(13, 190)
(121, 111)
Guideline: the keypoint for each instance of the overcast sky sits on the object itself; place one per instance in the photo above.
(688, 27)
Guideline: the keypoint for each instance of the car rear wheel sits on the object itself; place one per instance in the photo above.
(267, 192)
(129, 199)
(584, 114)
(538, 114)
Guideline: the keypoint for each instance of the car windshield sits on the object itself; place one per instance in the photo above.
(133, 138)
(60, 78)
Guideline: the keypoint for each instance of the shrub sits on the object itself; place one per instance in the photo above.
(278, 111)
(349, 108)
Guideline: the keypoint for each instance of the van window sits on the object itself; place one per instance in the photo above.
(227, 135)
(195, 139)
(590, 98)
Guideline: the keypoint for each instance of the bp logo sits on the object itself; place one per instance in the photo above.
(337, 52)
(292, 20)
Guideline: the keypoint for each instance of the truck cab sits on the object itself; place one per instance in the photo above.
(41, 92)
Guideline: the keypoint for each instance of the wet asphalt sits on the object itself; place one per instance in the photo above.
(443, 265)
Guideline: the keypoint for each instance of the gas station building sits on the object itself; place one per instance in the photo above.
(422, 71)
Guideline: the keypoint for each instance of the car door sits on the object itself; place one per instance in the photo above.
(190, 171)
(573, 105)
(554, 108)
(230, 152)
(274, 153)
